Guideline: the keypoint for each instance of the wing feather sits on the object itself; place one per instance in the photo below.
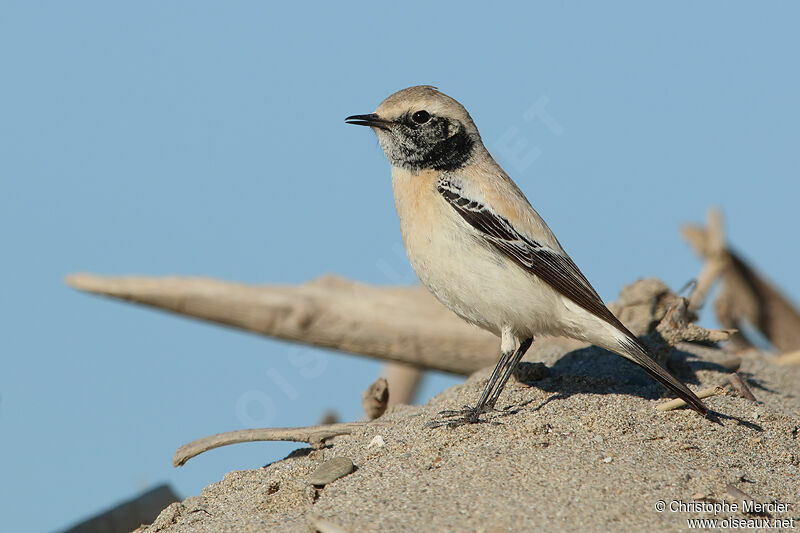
(560, 272)
(552, 266)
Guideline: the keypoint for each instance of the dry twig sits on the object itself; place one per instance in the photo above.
(740, 387)
(677, 402)
(313, 435)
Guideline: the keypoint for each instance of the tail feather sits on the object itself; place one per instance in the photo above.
(636, 352)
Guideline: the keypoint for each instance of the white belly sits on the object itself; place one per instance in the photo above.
(476, 282)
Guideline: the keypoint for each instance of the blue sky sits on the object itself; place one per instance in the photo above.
(197, 138)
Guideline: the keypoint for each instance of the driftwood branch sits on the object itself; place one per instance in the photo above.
(401, 324)
(313, 435)
(745, 295)
(651, 310)
(712, 244)
(677, 327)
(398, 324)
(404, 381)
(375, 399)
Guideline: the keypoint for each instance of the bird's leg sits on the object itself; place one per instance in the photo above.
(471, 413)
(520, 353)
(497, 381)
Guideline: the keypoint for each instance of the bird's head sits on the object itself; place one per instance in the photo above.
(420, 128)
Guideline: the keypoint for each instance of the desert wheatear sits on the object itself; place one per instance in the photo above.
(477, 244)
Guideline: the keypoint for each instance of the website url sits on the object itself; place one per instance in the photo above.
(742, 523)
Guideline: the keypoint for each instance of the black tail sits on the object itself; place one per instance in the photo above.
(637, 352)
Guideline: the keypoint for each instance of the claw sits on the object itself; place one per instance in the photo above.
(449, 413)
(469, 415)
(457, 417)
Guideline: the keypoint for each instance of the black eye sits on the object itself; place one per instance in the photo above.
(421, 117)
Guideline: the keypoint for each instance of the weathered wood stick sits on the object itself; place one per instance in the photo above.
(712, 249)
(677, 402)
(745, 296)
(375, 399)
(313, 435)
(402, 324)
(403, 381)
(740, 387)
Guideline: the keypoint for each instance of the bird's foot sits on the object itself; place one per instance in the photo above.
(459, 417)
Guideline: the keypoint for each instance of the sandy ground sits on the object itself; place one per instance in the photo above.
(585, 449)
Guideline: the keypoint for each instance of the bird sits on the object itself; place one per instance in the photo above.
(474, 240)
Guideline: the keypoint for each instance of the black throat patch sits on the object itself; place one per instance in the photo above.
(439, 145)
(449, 154)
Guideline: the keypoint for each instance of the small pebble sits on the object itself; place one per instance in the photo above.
(608, 459)
(377, 442)
(331, 470)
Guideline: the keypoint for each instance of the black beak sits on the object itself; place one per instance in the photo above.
(372, 120)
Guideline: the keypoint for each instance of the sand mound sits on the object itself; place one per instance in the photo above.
(583, 448)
